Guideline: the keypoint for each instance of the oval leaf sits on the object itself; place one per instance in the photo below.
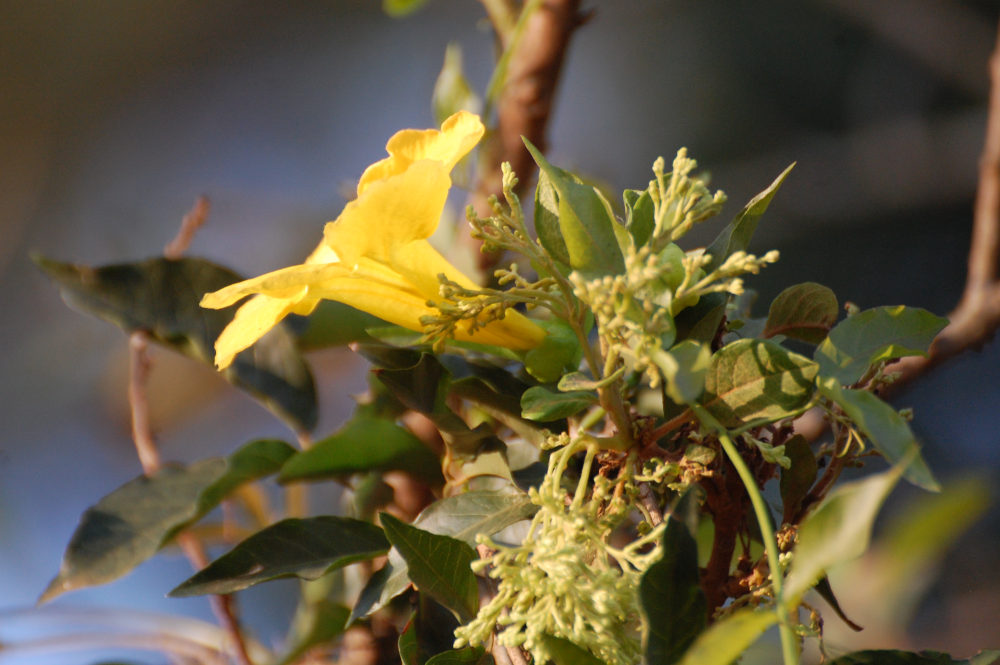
(885, 428)
(752, 380)
(438, 565)
(874, 335)
(364, 444)
(306, 548)
(132, 523)
(161, 297)
(805, 311)
(541, 404)
(837, 531)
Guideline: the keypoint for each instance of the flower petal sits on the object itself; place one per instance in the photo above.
(457, 136)
(252, 321)
(390, 213)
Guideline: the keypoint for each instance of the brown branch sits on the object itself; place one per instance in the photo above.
(189, 226)
(525, 102)
(977, 317)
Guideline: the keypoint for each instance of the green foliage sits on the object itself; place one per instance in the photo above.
(724, 641)
(322, 545)
(132, 523)
(804, 311)
(891, 657)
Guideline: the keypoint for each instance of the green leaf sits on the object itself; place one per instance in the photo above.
(547, 219)
(798, 478)
(466, 656)
(701, 321)
(888, 432)
(876, 335)
(336, 324)
(407, 645)
(564, 652)
(541, 404)
(726, 639)
(639, 210)
(452, 92)
(364, 444)
(751, 380)
(585, 221)
(837, 531)
(736, 236)
(673, 606)
(401, 8)
(161, 297)
(438, 565)
(805, 311)
(306, 548)
(684, 368)
(894, 657)
(462, 516)
(559, 351)
(132, 523)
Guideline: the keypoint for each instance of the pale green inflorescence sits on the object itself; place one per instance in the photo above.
(565, 580)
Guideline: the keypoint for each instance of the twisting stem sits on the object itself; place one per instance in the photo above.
(789, 646)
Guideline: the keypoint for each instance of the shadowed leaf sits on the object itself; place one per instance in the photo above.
(799, 477)
(805, 311)
(893, 657)
(541, 404)
(132, 523)
(564, 652)
(161, 297)
(306, 548)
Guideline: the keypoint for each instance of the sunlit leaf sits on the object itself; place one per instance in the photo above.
(639, 211)
(805, 311)
(684, 368)
(726, 639)
(585, 221)
(558, 353)
(547, 219)
(837, 531)
(885, 428)
(452, 92)
(438, 565)
(874, 335)
(132, 523)
(161, 297)
(752, 379)
(307, 548)
(364, 444)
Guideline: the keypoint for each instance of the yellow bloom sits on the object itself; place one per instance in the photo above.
(376, 256)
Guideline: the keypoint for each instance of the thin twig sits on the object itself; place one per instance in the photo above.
(189, 226)
(525, 104)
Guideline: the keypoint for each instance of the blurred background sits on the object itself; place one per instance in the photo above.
(116, 115)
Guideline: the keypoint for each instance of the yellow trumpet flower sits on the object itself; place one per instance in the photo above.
(375, 256)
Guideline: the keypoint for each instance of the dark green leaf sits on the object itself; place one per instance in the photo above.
(885, 428)
(825, 592)
(752, 380)
(326, 622)
(306, 548)
(805, 311)
(674, 608)
(559, 351)
(797, 479)
(565, 652)
(438, 565)
(336, 324)
(726, 639)
(875, 335)
(639, 211)
(539, 403)
(893, 657)
(161, 297)
(466, 656)
(837, 531)
(407, 645)
(463, 516)
(132, 523)
(585, 221)
(736, 236)
(364, 444)
(701, 321)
